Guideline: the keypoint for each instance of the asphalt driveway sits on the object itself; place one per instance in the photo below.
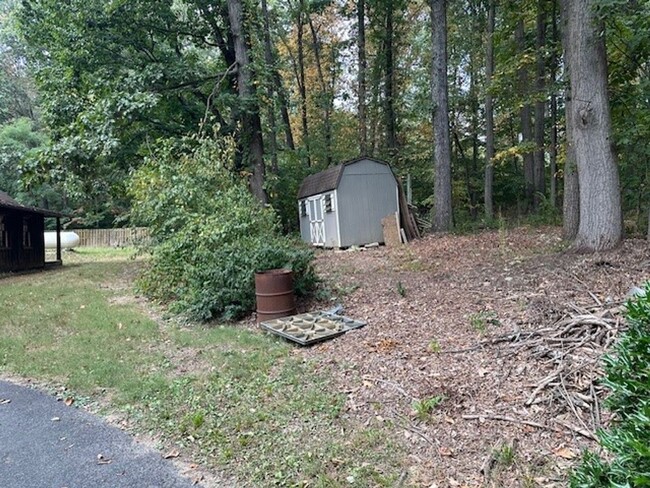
(46, 444)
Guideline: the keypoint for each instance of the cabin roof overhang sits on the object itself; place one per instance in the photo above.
(329, 179)
(6, 202)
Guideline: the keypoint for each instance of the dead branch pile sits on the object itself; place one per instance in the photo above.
(570, 354)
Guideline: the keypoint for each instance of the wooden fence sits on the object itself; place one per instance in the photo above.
(111, 237)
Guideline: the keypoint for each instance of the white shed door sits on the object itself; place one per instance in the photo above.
(316, 220)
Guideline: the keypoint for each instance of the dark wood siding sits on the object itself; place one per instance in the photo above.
(26, 245)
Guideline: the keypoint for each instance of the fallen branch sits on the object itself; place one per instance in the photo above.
(509, 419)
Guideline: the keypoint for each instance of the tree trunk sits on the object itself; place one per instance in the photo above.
(540, 103)
(389, 83)
(489, 116)
(268, 59)
(301, 83)
(442, 217)
(600, 225)
(525, 117)
(361, 45)
(571, 205)
(269, 56)
(474, 124)
(250, 114)
(553, 146)
(325, 95)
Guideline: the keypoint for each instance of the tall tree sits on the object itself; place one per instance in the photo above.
(250, 118)
(361, 81)
(525, 114)
(540, 102)
(553, 106)
(389, 79)
(489, 114)
(326, 97)
(600, 225)
(275, 89)
(442, 212)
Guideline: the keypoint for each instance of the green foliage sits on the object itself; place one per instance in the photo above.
(401, 290)
(283, 189)
(434, 346)
(18, 140)
(424, 408)
(628, 378)
(480, 321)
(505, 456)
(209, 234)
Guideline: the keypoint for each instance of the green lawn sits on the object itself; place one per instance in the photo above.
(226, 397)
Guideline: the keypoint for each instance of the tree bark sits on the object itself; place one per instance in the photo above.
(489, 116)
(600, 225)
(389, 82)
(325, 95)
(540, 103)
(361, 46)
(250, 114)
(442, 218)
(553, 142)
(270, 57)
(525, 117)
(571, 204)
(301, 83)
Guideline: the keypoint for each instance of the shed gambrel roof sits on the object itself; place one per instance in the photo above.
(7, 202)
(328, 179)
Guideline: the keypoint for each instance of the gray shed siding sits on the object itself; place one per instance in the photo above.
(367, 193)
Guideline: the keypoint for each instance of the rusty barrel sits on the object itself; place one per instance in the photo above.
(274, 294)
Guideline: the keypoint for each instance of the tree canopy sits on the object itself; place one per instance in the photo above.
(304, 84)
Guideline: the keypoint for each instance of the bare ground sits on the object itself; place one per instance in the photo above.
(451, 293)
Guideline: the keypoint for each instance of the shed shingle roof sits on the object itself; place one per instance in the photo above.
(321, 182)
(7, 202)
(328, 179)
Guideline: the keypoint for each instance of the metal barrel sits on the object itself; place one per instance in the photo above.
(274, 294)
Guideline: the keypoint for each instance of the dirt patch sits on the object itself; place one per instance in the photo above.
(449, 293)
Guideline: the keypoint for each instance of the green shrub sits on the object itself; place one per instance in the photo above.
(208, 233)
(628, 378)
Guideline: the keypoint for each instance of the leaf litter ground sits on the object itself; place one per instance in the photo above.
(506, 327)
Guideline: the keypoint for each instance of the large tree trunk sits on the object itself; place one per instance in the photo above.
(361, 45)
(250, 114)
(571, 204)
(553, 144)
(540, 103)
(489, 116)
(442, 214)
(525, 117)
(600, 199)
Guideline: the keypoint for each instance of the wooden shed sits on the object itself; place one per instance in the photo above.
(22, 240)
(344, 205)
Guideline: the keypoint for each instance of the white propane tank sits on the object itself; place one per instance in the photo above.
(68, 240)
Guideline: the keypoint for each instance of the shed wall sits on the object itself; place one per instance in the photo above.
(367, 193)
(18, 257)
(330, 222)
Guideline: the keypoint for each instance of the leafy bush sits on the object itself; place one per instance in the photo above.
(208, 234)
(628, 378)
